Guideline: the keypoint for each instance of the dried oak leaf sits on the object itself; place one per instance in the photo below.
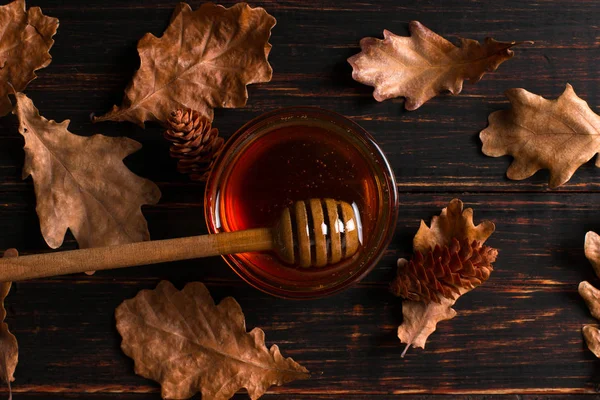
(81, 182)
(25, 42)
(590, 294)
(423, 65)
(9, 349)
(452, 223)
(184, 341)
(204, 60)
(420, 318)
(559, 135)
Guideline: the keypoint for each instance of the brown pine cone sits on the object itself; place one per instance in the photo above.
(443, 271)
(195, 143)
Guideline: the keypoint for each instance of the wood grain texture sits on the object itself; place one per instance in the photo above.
(516, 337)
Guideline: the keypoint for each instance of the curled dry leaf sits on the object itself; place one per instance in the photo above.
(9, 349)
(466, 265)
(591, 335)
(184, 341)
(590, 294)
(423, 65)
(592, 250)
(25, 42)
(559, 135)
(81, 182)
(204, 60)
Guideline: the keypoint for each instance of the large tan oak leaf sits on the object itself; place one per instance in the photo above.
(184, 341)
(423, 65)
(81, 182)
(420, 319)
(204, 60)
(559, 135)
(25, 42)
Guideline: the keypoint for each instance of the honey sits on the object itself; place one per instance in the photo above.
(293, 160)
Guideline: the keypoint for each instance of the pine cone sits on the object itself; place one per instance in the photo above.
(443, 271)
(195, 143)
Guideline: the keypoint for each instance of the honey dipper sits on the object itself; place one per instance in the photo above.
(310, 233)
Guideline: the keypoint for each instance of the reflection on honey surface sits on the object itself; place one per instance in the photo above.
(289, 164)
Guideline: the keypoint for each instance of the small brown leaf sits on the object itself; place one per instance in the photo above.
(453, 223)
(592, 250)
(25, 42)
(449, 274)
(204, 60)
(592, 338)
(590, 294)
(423, 65)
(559, 135)
(81, 182)
(419, 321)
(184, 341)
(9, 349)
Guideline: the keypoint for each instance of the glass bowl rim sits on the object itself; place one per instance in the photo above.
(281, 114)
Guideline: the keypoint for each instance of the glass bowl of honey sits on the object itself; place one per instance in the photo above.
(293, 154)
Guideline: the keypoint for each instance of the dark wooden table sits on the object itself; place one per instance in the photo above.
(518, 336)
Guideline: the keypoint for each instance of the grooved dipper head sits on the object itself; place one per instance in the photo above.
(318, 232)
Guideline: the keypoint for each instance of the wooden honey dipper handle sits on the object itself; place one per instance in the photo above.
(312, 233)
(133, 254)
